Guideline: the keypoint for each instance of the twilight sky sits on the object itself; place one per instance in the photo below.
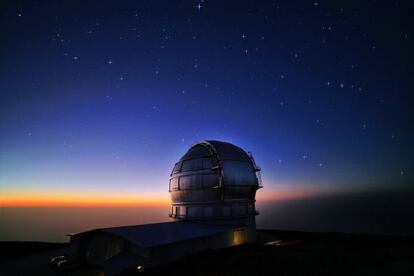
(98, 99)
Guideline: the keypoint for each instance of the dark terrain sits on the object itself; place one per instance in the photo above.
(277, 252)
(12, 250)
(299, 253)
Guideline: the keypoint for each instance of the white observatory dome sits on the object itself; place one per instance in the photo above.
(214, 181)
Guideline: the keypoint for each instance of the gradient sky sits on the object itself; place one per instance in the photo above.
(98, 99)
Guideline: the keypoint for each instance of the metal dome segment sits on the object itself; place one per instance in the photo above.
(214, 180)
(228, 151)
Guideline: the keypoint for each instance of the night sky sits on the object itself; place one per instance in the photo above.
(98, 99)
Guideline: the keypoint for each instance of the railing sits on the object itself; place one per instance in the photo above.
(259, 179)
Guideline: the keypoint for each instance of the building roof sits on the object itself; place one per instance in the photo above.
(149, 235)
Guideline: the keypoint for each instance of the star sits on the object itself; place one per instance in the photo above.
(110, 62)
(199, 6)
(243, 36)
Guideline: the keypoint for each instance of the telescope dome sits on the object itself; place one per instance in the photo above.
(214, 180)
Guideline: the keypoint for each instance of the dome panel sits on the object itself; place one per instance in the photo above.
(227, 151)
(197, 164)
(197, 151)
(238, 173)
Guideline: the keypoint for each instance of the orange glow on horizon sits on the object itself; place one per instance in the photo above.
(59, 200)
(268, 193)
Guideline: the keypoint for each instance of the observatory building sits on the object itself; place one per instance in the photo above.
(215, 183)
(212, 187)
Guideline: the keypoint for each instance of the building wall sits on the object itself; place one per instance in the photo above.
(96, 247)
(170, 252)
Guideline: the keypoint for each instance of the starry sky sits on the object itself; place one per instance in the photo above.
(98, 99)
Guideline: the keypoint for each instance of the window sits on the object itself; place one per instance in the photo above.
(239, 236)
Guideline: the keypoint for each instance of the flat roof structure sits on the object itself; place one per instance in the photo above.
(150, 235)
